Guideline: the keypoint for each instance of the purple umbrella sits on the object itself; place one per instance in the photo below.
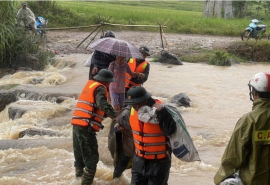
(116, 47)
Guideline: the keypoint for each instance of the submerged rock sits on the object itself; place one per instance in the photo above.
(181, 99)
(6, 98)
(169, 58)
(40, 132)
(16, 112)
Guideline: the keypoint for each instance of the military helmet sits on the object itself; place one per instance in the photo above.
(109, 34)
(104, 75)
(145, 50)
(137, 94)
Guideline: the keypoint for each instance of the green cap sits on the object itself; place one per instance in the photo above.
(144, 49)
(104, 75)
(137, 94)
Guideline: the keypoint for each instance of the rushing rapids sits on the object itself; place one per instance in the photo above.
(219, 96)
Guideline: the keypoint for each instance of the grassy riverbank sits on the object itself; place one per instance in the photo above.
(177, 16)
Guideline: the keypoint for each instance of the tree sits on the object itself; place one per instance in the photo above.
(228, 9)
(240, 8)
(225, 9)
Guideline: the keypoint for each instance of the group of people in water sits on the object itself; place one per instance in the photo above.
(114, 90)
(142, 126)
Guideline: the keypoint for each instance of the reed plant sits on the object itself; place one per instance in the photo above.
(15, 41)
(6, 32)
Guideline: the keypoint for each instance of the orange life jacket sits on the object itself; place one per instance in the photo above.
(150, 142)
(133, 66)
(86, 112)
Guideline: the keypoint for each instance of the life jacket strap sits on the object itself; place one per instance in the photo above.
(89, 121)
(147, 135)
(88, 103)
(150, 153)
(90, 112)
(150, 144)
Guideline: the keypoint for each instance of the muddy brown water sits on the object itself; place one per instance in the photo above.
(219, 97)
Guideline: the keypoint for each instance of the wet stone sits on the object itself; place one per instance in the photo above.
(41, 132)
(5, 99)
(181, 99)
(169, 58)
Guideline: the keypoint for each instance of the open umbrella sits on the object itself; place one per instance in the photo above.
(116, 47)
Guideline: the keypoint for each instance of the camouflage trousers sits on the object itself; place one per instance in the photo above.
(85, 148)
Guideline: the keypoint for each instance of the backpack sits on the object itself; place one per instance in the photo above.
(181, 143)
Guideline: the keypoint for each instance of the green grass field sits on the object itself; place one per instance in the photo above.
(178, 16)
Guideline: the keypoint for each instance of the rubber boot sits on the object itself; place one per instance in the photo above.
(88, 176)
(78, 172)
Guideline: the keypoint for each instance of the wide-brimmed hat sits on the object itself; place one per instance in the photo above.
(137, 94)
(144, 49)
(104, 75)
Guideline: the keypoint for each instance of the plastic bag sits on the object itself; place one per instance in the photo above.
(235, 180)
(181, 142)
(88, 61)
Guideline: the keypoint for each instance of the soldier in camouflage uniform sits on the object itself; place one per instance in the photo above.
(92, 107)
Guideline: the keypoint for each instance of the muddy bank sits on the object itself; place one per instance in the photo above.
(66, 42)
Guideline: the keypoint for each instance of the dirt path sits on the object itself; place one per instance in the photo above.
(65, 42)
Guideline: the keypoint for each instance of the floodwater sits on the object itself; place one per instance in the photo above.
(219, 97)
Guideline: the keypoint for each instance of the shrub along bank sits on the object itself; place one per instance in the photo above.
(236, 52)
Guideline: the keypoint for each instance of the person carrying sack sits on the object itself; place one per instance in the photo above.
(152, 158)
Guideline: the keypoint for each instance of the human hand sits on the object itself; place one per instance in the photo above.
(118, 127)
(134, 74)
(158, 106)
(94, 71)
(109, 100)
(141, 75)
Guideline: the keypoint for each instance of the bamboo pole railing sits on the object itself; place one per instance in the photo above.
(103, 24)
